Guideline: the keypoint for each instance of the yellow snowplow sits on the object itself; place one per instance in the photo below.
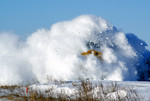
(95, 53)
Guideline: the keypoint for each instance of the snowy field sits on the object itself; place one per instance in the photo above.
(123, 89)
(142, 88)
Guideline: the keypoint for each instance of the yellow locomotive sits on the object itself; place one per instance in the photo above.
(93, 52)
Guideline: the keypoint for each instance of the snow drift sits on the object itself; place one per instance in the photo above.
(56, 53)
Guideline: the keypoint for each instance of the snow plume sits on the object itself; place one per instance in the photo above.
(57, 52)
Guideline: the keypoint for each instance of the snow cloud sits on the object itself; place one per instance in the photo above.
(57, 52)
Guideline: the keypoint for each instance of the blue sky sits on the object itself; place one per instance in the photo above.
(23, 17)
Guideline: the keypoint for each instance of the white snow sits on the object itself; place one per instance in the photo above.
(142, 88)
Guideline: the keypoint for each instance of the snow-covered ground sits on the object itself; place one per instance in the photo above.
(68, 88)
(142, 88)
